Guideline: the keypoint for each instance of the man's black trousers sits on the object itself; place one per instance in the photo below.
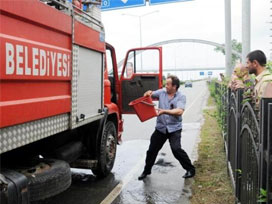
(157, 141)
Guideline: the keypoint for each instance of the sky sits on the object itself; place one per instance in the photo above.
(197, 19)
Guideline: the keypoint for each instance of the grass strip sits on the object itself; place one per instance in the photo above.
(211, 184)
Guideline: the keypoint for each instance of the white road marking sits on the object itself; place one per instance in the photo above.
(118, 189)
(191, 105)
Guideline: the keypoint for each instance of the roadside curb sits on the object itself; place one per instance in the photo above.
(187, 187)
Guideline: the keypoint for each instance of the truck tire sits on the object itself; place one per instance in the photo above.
(48, 177)
(106, 151)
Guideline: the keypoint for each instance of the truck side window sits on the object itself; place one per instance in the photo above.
(109, 62)
(142, 61)
(111, 75)
(129, 70)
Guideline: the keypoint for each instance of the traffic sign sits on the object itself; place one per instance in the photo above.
(118, 4)
(201, 73)
(210, 73)
(152, 2)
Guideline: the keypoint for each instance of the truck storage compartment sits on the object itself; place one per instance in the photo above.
(90, 84)
(35, 62)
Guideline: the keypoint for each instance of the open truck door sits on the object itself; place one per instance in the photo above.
(142, 71)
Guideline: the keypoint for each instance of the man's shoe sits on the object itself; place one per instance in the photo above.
(143, 176)
(189, 174)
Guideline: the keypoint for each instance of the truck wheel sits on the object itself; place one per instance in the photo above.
(107, 150)
(48, 177)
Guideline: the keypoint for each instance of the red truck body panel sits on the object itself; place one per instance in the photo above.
(36, 61)
(87, 37)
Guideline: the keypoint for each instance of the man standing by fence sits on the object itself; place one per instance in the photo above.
(256, 64)
(169, 126)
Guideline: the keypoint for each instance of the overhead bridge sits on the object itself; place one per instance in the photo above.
(199, 41)
(185, 69)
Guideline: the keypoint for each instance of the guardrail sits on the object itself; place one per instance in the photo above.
(248, 142)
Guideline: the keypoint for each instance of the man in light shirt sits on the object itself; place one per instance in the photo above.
(256, 64)
(169, 127)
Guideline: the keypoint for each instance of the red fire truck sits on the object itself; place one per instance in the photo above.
(61, 95)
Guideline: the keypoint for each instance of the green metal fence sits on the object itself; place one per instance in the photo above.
(248, 142)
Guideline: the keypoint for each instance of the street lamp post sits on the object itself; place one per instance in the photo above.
(140, 22)
(140, 25)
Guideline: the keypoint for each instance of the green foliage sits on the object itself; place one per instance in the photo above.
(213, 115)
(239, 172)
(263, 196)
(212, 88)
(217, 91)
(269, 66)
(237, 46)
(246, 100)
(248, 90)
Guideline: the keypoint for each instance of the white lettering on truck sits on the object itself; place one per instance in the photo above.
(59, 64)
(9, 58)
(19, 61)
(42, 62)
(27, 69)
(33, 61)
(53, 60)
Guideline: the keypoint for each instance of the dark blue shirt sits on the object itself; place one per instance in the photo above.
(165, 121)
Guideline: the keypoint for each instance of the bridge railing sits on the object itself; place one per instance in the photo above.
(248, 143)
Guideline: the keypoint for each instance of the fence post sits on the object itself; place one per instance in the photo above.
(228, 122)
(238, 141)
(265, 171)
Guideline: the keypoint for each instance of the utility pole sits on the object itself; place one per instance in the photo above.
(271, 30)
(246, 8)
(228, 45)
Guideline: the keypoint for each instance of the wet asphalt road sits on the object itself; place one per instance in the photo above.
(164, 185)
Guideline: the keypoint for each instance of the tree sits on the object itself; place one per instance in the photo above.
(237, 46)
(269, 66)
